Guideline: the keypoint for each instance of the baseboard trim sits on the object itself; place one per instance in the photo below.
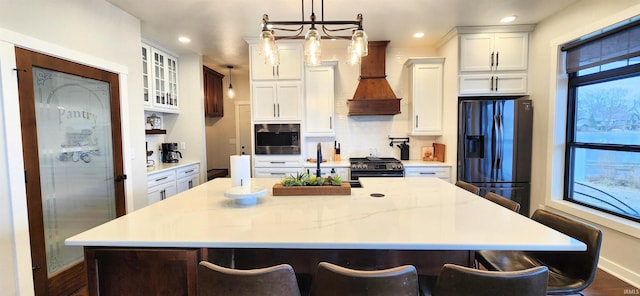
(620, 272)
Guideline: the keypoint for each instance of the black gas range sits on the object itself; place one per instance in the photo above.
(374, 167)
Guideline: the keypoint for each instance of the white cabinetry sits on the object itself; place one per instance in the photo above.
(319, 98)
(442, 172)
(276, 100)
(168, 182)
(277, 166)
(276, 91)
(425, 107)
(494, 63)
(160, 80)
(290, 67)
(188, 177)
(161, 186)
(494, 52)
(478, 84)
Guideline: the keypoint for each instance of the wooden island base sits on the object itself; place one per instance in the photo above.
(172, 271)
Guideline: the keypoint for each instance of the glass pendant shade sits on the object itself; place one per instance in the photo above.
(354, 58)
(312, 47)
(268, 47)
(274, 57)
(230, 93)
(359, 43)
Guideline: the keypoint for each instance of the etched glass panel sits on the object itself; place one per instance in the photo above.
(76, 160)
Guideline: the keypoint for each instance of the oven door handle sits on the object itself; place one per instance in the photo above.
(394, 174)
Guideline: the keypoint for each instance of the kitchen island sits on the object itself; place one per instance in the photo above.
(423, 219)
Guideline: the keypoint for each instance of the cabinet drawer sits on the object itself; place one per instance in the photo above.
(160, 178)
(276, 172)
(189, 170)
(440, 172)
(269, 162)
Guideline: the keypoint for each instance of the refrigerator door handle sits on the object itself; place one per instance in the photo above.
(495, 139)
(501, 141)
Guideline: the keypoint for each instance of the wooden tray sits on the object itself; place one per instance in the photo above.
(279, 190)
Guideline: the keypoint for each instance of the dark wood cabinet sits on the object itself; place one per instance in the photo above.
(142, 271)
(213, 99)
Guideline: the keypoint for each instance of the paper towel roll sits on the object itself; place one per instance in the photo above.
(240, 170)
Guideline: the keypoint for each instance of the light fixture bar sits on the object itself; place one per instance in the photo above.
(357, 48)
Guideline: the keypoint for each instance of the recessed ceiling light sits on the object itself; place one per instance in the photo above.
(418, 35)
(184, 39)
(508, 19)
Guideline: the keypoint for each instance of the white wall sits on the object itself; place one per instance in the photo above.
(619, 246)
(221, 131)
(189, 128)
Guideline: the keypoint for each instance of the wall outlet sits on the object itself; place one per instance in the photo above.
(183, 146)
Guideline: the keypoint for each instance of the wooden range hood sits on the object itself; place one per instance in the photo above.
(374, 95)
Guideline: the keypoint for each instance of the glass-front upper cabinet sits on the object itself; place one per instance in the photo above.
(146, 79)
(160, 75)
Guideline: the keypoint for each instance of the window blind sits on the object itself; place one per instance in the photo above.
(614, 45)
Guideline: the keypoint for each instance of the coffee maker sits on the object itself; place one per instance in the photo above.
(170, 153)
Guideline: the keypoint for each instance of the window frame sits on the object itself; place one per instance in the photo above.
(574, 82)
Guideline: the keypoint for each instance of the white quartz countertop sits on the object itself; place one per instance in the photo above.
(414, 214)
(422, 163)
(159, 167)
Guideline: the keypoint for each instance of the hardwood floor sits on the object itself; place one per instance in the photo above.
(607, 285)
(604, 285)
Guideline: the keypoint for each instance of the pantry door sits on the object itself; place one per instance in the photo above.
(72, 147)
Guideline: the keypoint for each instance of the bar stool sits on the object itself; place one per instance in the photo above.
(221, 281)
(569, 272)
(455, 280)
(468, 187)
(334, 280)
(503, 201)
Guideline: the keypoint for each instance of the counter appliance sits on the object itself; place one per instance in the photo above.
(494, 146)
(170, 153)
(374, 167)
(277, 138)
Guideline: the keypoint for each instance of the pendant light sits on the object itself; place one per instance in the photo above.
(319, 29)
(230, 93)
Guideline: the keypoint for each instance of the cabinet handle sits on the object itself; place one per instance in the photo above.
(276, 162)
(162, 194)
(491, 83)
(278, 70)
(161, 179)
(492, 53)
(330, 122)
(496, 83)
(190, 184)
(278, 109)
(189, 171)
(427, 173)
(277, 174)
(274, 110)
(416, 121)
(273, 71)
(497, 59)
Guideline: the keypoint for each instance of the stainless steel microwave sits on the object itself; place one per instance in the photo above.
(277, 138)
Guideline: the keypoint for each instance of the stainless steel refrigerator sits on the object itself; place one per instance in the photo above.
(494, 146)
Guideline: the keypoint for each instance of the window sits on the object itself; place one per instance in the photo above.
(603, 130)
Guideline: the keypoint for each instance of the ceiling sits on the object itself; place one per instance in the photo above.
(217, 28)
